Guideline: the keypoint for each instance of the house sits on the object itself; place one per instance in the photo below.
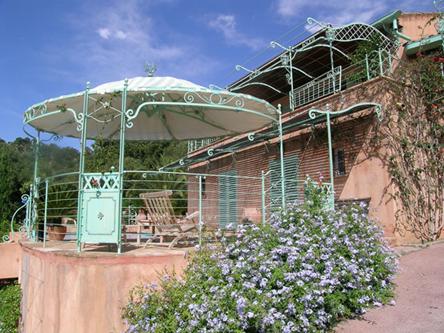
(338, 69)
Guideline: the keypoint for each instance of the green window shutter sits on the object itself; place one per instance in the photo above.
(228, 199)
(291, 163)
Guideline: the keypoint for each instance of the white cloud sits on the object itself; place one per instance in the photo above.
(334, 12)
(226, 24)
(107, 33)
(120, 34)
(104, 33)
(288, 8)
(126, 38)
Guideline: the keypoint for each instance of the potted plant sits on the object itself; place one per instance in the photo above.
(62, 199)
(56, 231)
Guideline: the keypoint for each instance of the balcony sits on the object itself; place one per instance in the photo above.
(377, 63)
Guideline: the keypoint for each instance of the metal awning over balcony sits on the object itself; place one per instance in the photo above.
(322, 52)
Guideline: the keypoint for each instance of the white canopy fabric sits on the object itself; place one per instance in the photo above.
(157, 108)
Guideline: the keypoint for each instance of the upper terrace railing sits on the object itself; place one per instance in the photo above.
(194, 145)
(377, 63)
(324, 85)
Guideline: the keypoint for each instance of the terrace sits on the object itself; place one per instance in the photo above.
(328, 62)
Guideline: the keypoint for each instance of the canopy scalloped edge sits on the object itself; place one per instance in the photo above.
(178, 102)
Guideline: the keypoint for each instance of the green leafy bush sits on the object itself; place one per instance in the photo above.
(303, 272)
(9, 308)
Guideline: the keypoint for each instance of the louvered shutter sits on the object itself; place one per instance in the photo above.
(291, 163)
(228, 199)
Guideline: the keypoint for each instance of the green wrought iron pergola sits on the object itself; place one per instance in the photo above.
(142, 108)
(331, 40)
(312, 113)
(309, 118)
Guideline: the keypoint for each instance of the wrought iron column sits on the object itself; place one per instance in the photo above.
(291, 96)
(312, 113)
(200, 210)
(281, 152)
(263, 197)
(35, 188)
(330, 34)
(330, 151)
(121, 164)
(83, 137)
(45, 217)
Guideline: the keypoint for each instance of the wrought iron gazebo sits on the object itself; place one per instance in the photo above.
(141, 108)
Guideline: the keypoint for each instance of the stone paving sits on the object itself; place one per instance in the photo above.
(419, 297)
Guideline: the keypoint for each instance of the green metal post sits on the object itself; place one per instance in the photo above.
(45, 216)
(35, 186)
(281, 151)
(200, 210)
(332, 67)
(330, 34)
(263, 197)
(83, 137)
(29, 215)
(367, 69)
(121, 164)
(390, 62)
(381, 69)
(291, 97)
(330, 153)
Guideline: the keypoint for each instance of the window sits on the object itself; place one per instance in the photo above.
(339, 161)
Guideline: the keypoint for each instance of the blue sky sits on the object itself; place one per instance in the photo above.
(51, 48)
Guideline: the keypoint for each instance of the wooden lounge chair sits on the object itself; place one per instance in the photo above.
(161, 217)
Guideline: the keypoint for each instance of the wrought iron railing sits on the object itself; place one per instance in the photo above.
(295, 194)
(321, 86)
(377, 63)
(22, 226)
(194, 145)
(208, 201)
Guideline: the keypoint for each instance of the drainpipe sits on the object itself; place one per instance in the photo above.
(398, 33)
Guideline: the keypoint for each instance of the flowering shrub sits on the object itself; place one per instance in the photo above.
(10, 296)
(303, 272)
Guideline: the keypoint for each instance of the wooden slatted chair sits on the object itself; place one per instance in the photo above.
(161, 217)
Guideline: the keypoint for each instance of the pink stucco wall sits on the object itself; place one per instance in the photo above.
(66, 292)
(9, 260)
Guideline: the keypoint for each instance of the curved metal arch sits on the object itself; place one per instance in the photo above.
(258, 84)
(360, 106)
(352, 32)
(25, 199)
(255, 73)
(288, 68)
(132, 114)
(78, 117)
(322, 45)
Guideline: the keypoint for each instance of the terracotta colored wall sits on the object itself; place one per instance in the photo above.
(418, 25)
(9, 260)
(66, 293)
(365, 178)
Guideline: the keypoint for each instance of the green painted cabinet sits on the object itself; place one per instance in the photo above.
(100, 208)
